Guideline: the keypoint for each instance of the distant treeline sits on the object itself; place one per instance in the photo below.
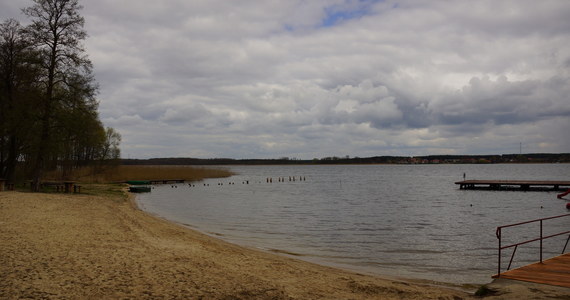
(430, 159)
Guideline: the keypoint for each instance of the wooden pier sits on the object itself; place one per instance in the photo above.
(154, 181)
(165, 181)
(554, 271)
(522, 185)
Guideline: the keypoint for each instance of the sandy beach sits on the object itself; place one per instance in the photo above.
(56, 246)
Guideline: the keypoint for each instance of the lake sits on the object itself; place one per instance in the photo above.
(407, 221)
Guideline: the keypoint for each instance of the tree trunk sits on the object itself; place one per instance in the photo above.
(40, 158)
(12, 158)
(43, 146)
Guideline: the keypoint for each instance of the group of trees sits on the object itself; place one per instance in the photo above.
(48, 110)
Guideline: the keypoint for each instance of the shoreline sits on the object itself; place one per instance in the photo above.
(466, 288)
(104, 246)
(469, 288)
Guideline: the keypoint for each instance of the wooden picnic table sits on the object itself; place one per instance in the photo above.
(62, 186)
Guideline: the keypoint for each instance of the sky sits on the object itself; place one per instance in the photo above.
(311, 79)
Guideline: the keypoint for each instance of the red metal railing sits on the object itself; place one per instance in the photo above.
(541, 238)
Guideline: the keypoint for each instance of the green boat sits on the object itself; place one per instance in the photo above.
(139, 189)
(138, 182)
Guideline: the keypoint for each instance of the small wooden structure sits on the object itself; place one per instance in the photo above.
(523, 185)
(554, 271)
(165, 181)
(154, 181)
(142, 186)
(69, 186)
(2, 184)
(61, 186)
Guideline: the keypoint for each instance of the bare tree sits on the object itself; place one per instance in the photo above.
(57, 32)
(111, 150)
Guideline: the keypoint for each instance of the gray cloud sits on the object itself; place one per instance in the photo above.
(319, 78)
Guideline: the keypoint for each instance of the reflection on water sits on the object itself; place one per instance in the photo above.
(400, 220)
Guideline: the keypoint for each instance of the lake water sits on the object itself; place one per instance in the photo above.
(407, 221)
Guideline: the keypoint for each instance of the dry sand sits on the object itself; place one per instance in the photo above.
(55, 246)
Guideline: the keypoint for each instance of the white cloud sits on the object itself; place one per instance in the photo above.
(319, 78)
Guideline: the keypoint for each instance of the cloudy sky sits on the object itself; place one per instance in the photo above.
(315, 78)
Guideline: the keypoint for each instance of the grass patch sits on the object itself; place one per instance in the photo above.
(115, 174)
(485, 291)
(108, 180)
(110, 190)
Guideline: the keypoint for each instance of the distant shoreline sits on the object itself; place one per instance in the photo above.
(533, 158)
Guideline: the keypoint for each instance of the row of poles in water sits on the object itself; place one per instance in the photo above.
(282, 179)
(267, 180)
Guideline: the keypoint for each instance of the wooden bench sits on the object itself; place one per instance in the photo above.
(59, 187)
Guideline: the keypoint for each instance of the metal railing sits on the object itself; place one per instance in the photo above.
(541, 238)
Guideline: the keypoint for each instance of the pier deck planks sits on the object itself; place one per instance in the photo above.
(521, 184)
(554, 271)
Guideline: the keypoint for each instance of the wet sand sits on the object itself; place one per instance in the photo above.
(56, 246)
